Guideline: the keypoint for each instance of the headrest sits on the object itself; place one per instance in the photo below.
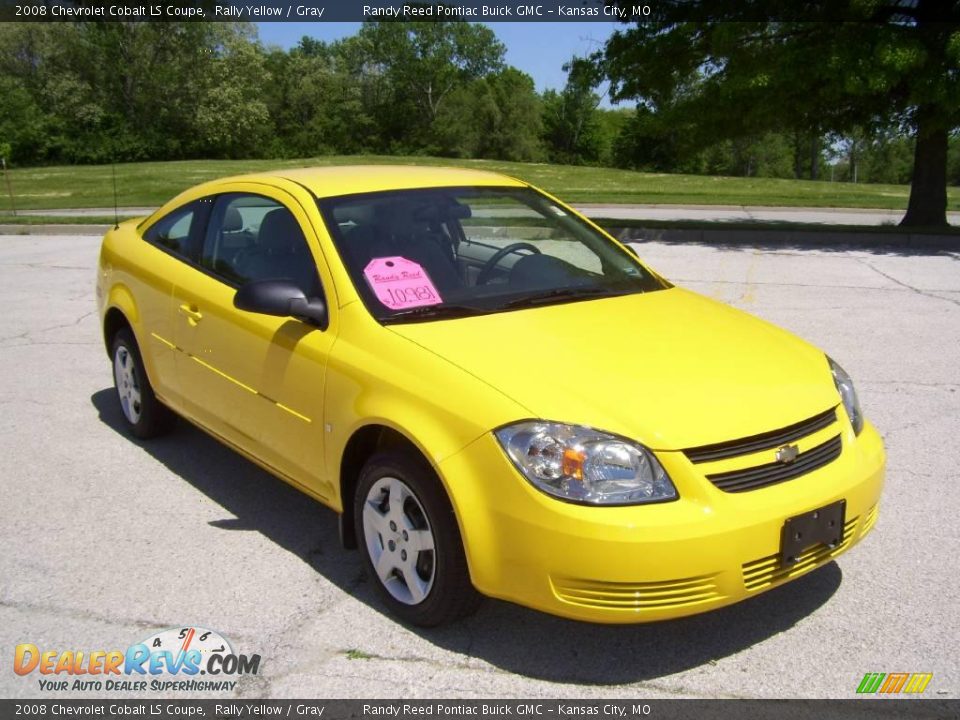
(279, 232)
(232, 220)
(442, 209)
(357, 214)
(397, 219)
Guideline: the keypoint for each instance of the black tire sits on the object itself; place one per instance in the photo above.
(451, 595)
(148, 417)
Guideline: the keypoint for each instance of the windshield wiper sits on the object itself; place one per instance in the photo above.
(436, 312)
(562, 294)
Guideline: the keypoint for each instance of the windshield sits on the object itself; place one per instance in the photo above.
(417, 255)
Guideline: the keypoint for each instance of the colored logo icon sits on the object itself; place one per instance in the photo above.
(894, 683)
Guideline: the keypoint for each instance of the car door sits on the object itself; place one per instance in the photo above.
(255, 380)
(175, 239)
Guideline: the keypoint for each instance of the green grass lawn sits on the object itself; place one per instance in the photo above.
(8, 219)
(151, 184)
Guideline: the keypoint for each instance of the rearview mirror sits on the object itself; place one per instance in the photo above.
(281, 298)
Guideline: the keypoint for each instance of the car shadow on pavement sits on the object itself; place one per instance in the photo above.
(549, 648)
(507, 636)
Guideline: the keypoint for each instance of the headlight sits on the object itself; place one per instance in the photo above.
(585, 465)
(848, 394)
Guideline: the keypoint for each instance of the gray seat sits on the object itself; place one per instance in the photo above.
(232, 220)
(282, 254)
(399, 233)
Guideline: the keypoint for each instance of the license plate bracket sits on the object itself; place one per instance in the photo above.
(823, 526)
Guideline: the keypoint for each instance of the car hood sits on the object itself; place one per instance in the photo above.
(671, 369)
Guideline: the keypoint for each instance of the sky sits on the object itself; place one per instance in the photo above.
(539, 49)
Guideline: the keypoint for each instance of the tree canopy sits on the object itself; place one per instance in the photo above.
(744, 72)
(786, 99)
(96, 92)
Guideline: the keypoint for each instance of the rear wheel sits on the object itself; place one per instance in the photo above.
(145, 416)
(410, 541)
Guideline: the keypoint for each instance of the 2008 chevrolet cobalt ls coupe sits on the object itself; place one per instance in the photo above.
(496, 396)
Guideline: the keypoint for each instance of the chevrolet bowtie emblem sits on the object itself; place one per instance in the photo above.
(787, 454)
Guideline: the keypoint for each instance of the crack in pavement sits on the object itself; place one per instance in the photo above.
(29, 401)
(32, 343)
(918, 291)
(910, 382)
(25, 335)
(83, 615)
(951, 387)
(805, 285)
(888, 432)
(91, 616)
(45, 266)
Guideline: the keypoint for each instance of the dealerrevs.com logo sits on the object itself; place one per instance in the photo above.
(179, 659)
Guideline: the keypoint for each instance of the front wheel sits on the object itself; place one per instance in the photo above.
(145, 416)
(411, 543)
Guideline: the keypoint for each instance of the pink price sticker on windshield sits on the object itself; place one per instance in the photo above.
(400, 283)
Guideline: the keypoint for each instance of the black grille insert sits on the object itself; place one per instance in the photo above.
(776, 472)
(764, 441)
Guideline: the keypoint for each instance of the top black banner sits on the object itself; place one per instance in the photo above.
(905, 11)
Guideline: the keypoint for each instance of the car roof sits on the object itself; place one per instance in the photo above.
(334, 180)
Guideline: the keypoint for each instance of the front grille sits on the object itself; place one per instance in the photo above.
(764, 441)
(869, 520)
(772, 473)
(760, 573)
(638, 595)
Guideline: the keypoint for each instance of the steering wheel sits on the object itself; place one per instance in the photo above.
(487, 270)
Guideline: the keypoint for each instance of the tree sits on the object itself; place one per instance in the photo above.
(495, 117)
(22, 124)
(317, 100)
(851, 147)
(230, 117)
(953, 161)
(423, 63)
(611, 124)
(513, 131)
(570, 120)
(881, 155)
(131, 90)
(747, 69)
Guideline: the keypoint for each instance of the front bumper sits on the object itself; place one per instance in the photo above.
(649, 562)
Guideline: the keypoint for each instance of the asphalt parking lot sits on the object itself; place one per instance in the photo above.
(106, 541)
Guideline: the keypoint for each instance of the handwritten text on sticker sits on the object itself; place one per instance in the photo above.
(400, 283)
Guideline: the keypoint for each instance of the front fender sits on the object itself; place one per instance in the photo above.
(376, 377)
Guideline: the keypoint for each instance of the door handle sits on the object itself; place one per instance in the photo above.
(192, 312)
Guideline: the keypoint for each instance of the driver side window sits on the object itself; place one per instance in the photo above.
(251, 237)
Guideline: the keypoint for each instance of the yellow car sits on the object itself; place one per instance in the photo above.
(496, 396)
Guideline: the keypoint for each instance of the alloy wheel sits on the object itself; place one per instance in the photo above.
(399, 540)
(128, 385)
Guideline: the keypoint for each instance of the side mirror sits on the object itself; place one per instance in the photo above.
(281, 298)
(632, 247)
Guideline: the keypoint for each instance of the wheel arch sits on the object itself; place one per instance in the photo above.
(120, 311)
(113, 322)
(362, 444)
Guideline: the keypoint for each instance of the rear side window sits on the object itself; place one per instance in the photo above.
(251, 237)
(179, 231)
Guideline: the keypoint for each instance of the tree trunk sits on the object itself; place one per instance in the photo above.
(928, 185)
(815, 157)
(797, 151)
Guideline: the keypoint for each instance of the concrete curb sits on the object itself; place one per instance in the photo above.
(55, 229)
(801, 239)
